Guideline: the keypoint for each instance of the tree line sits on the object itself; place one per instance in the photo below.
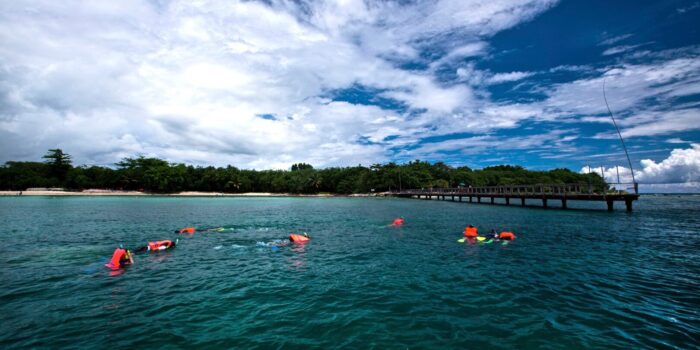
(159, 176)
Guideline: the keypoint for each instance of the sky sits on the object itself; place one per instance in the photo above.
(265, 84)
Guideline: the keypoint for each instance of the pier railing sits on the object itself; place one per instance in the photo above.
(526, 190)
(514, 190)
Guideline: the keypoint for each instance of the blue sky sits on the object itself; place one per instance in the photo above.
(337, 83)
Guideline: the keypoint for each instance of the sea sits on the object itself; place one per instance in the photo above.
(572, 279)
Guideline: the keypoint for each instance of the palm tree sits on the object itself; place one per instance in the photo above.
(314, 181)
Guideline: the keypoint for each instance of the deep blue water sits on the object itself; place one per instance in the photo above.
(571, 279)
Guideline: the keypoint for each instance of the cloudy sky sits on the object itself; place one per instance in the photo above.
(264, 84)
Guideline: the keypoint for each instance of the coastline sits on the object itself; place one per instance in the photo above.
(179, 194)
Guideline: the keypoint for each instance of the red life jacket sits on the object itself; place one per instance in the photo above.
(398, 222)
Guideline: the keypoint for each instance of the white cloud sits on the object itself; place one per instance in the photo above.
(627, 86)
(508, 77)
(620, 49)
(681, 166)
(555, 141)
(682, 10)
(186, 80)
(677, 140)
(615, 39)
(660, 123)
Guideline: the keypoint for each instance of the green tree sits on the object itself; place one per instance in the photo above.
(301, 166)
(59, 163)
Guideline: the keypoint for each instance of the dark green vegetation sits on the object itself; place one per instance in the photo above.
(157, 175)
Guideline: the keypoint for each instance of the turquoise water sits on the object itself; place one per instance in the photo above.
(572, 279)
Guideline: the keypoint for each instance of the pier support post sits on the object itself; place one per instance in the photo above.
(544, 203)
(563, 203)
(507, 200)
(453, 198)
(460, 198)
(522, 201)
(470, 199)
(492, 200)
(628, 205)
(610, 204)
(478, 199)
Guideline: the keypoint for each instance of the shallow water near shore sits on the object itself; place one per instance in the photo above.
(571, 279)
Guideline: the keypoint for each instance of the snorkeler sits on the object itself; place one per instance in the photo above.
(470, 232)
(189, 230)
(398, 221)
(157, 246)
(494, 234)
(121, 258)
(297, 238)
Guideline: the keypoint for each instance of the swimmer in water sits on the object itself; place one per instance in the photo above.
(157, 246)
(398, 221)
(297, 238)
(120, 258)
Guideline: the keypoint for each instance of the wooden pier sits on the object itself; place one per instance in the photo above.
(544, 192)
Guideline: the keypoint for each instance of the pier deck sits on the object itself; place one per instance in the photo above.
(544, 193)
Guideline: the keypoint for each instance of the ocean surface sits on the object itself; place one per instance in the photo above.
(572, 279)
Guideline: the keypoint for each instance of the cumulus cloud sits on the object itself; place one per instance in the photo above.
(681, 166)
(187, 80)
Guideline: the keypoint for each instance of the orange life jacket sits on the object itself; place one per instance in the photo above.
(470, 232)
(298, 238)
(116, 262)
(398, 221)
(160, 245)
(508, 236)
(188, 230)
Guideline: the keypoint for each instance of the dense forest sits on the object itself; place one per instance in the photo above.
(159, 176)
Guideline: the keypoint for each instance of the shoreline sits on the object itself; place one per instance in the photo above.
(101, 193)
